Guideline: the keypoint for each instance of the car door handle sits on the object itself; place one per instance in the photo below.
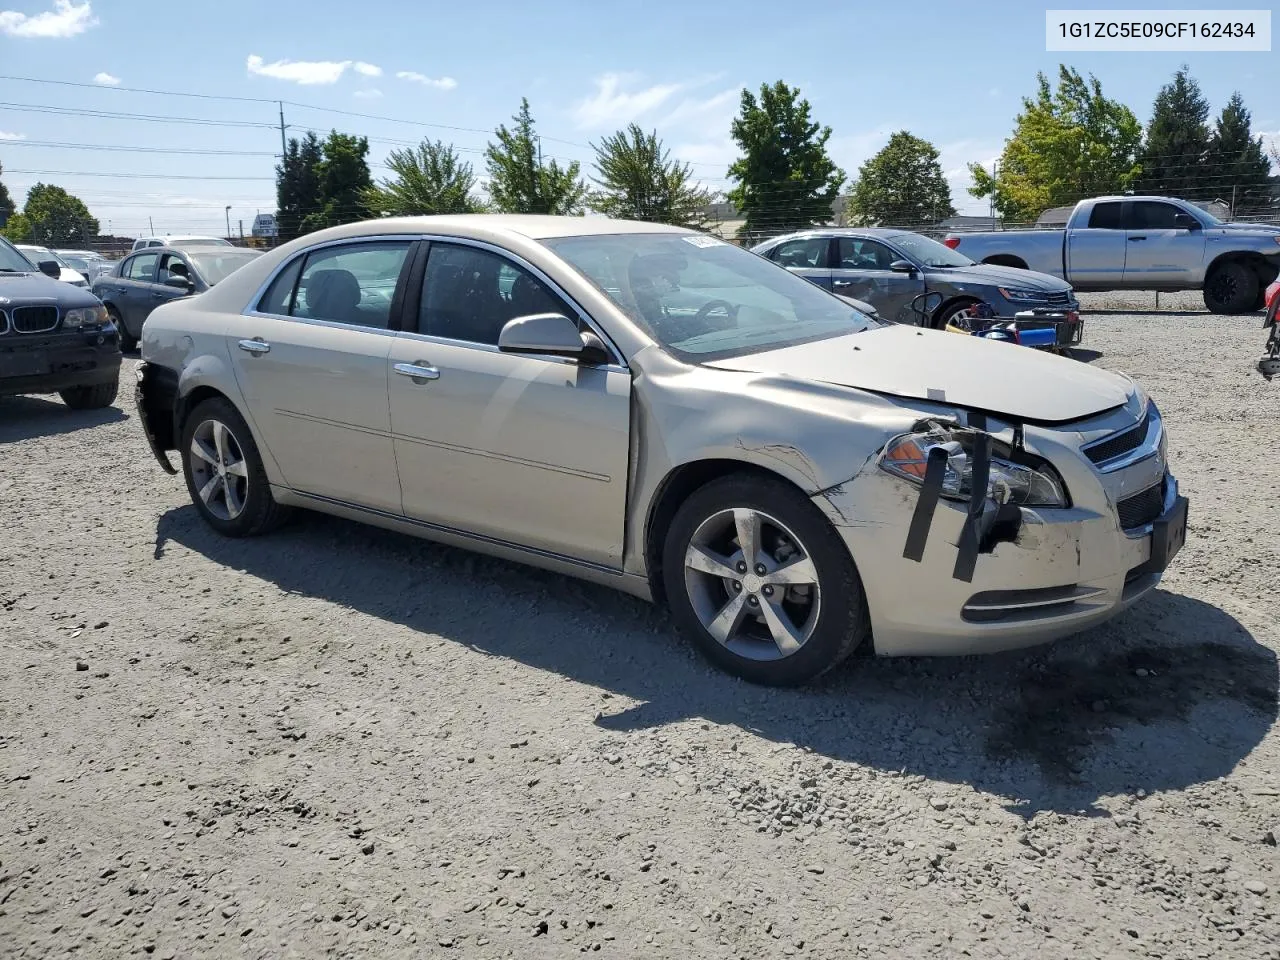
(157, 295)
(842, 283)
(1136, 239)
(254, 346)
(420, 370)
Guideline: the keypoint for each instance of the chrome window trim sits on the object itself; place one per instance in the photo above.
(492, 348)
(251, 309)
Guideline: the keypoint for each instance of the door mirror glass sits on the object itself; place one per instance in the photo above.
(902, 266)
(50, 268)
(549, 333)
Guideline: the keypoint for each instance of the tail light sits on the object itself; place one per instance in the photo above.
(952, 242)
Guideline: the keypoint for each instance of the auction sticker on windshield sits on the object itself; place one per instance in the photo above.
(703, 241)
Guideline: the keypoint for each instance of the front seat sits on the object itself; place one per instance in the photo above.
(334, 295)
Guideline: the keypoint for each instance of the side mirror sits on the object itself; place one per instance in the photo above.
(1185, 221)
(50, 268)
(902, 266)
(547, 333)
(180, 283)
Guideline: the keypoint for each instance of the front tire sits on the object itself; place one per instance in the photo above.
(93, 397)
(224, 472)
(1231, 288)
(128, 343)
(760, 582)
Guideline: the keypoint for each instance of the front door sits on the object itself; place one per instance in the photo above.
(312, 365)
(528, 450)
(808, 257)
(862, 271)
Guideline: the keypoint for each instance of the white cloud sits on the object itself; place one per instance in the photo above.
(106, 79)
(707, 111)
(6, 135)
(66, 19)
(371, 94)
(611, 106)
(367, 69)
(440, 83)
(305, 72)
(1271, 145)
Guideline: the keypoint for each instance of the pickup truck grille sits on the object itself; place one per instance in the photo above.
(1141, 508)
(1119, 444)
(34, 319)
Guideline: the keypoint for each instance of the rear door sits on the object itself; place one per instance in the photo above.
(1159, 253)
(311, 361)
(809, 257)
(1096, 251)
(861, 270)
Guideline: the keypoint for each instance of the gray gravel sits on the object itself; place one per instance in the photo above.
(339, 742)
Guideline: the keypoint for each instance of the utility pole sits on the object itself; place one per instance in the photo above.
(151, 225)
(228, 213)
(283, 147)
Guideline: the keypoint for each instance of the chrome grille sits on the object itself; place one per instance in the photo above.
(1142, 508)
(34, 319)
(1119, 444)
(4, 323)
(1062, 296)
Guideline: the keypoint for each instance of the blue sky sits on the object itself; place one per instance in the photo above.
(952, 73)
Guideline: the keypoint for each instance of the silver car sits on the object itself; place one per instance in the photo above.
(654, 409)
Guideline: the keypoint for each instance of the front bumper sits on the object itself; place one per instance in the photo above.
(47, 363)
(1067, 570)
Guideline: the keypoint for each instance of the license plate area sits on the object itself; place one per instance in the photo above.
(24, 363)
(1168, 535)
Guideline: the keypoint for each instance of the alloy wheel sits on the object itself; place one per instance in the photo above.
(219, 470)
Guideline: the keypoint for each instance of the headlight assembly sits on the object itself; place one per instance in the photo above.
(907, 456)
(1022, 296)
(85, 317)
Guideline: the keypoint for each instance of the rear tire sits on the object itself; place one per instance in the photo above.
(128, 343)
(786, 626)
(226, 479)
(93, 397)
(1231, 288)
(944, 315)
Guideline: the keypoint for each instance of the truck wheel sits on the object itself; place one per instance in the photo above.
(1231, 288)
(128, 344)
(92, 397)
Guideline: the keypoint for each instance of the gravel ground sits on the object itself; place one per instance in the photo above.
(340, 742)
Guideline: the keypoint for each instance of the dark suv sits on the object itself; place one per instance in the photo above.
(54, 338)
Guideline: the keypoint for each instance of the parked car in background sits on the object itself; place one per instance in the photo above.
(891, 268)
(89, 263)
(658, 410)
(142, 281)
(143, 243)
(1143, 243)
(54, 338)
(66, 273)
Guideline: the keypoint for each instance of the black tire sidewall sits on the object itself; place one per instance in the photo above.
(128, 342)
(1245, 295)
(92, 397)
(258, 501)
(842, 618)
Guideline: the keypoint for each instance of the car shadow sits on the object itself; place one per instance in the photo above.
(22, 418)
(1149, 312)
(1084, 354)
(1173, 693)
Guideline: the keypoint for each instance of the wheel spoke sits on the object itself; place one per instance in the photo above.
(235, 502)
(202, 450)
(747, 523)
(210, 489)
(704, 560)
(785, 636)
(726, 622)
(793, 574)
(241, 469)
(220, 441)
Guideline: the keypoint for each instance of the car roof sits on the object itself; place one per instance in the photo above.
(188, 251)
(482, 225)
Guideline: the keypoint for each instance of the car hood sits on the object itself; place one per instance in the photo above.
(17, 289)
(941, 367)
(999, 276)
(1258, 229)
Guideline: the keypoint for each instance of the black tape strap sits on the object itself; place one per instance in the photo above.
(935, 472)
(967, 555)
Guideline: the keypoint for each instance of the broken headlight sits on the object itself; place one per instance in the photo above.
(907, 456)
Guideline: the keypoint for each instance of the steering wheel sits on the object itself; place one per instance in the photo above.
(705, 310)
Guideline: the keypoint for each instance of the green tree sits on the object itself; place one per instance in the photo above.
(56, 218)
(785, 179)
(519, 180)
(1173, 161)
(1240, 171)
(298, 185)
(640, 181)
(429, 178)
(344, 182)
(1066, 146)
(17, 229)
(7, 207)
(902, 184)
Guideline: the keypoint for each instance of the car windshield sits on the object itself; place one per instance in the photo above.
(216, 266)
(929, 252)
(704, 299)
(12, 260)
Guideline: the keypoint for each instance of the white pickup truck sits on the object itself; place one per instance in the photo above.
(1142, 243)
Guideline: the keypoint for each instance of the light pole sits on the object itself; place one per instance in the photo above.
(228, 212)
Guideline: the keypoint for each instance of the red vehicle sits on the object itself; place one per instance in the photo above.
(1269, 365)
(1273, 293)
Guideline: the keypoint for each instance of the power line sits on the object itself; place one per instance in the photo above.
(129, 176)
(114, 115)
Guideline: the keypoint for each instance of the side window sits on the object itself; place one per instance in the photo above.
(1148, 215)
(279, 297)
(470, 294)
(857, 253)
(353, 283)
(805, 252)
(1105, 216)
(172, 265)
(142, 267)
